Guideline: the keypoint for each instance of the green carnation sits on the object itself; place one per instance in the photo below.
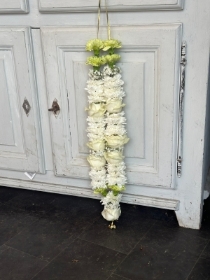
(101, 191)
(117, 189)
(94, 45)
(111, 59)
(111, 44)
(96, 61)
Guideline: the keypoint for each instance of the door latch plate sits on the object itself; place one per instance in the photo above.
(26, 106)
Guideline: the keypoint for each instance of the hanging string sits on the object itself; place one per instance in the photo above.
(99, 16)
(107, 19)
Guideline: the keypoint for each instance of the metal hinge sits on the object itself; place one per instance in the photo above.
(181, 107)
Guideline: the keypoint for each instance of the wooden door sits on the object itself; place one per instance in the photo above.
(149, 61)
(20, 141)
(114, 5)
(14, 6)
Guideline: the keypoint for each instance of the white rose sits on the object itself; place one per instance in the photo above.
(111, 214)
(114, 157)
(116, 141)
(96, 161)
(96, 145)
(96, 110)
(114, 105)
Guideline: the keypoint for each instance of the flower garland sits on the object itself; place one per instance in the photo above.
(106, 126)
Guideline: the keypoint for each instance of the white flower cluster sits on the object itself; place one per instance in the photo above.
(112, 201)
(116, 174)
(107, 134)
(113, 129)
(111, 204)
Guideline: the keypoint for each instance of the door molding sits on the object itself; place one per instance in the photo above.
(164, 203)
(51, 6)
(14, 6)
(21, 145)
(156, 45)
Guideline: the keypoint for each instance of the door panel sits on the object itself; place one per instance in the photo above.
(6, 138)
(20, 143)
(14, 6)
(114, 5)
(149, 62)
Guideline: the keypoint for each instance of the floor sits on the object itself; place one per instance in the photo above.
(47, 236)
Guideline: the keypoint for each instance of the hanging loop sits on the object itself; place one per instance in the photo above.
(99, 16)
(107, 19)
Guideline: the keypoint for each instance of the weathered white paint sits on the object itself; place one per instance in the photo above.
(6, 138)
(20, 145)
(42, 99)
(149, 61)
(14, 6)
(87, 192)
(188, 189)
(52, 6)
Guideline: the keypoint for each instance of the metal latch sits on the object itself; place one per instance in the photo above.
(55, 107)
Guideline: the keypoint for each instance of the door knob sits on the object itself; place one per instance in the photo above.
(55, 107)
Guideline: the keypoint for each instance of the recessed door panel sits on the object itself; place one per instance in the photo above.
(14, 6)
(149, 62)
(20, 143)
